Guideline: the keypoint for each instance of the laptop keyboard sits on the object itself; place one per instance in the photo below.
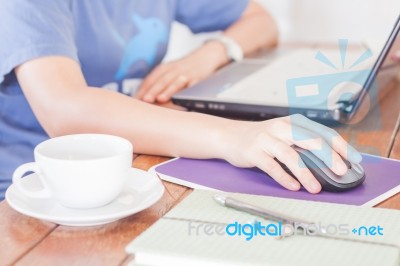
(267, 86)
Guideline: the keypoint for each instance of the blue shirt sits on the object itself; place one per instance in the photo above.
(115, 42)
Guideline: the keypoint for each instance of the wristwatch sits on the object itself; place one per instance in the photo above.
(233, 49)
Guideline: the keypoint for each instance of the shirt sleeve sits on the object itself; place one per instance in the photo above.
(209, 15)
(31, 29)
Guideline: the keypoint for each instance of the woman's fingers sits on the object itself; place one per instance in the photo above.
(167, 79)
(274, 170)
(288, 156)
(329, 135)
(163, 82)
(262, 142)
(180, 83)
(275, 148)
(319, 147)
(193, 82)
(159, 86)
(151, 79)
(289, 131)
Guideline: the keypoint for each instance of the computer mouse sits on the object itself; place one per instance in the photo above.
(329, 181)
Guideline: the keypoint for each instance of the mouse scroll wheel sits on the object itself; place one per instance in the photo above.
(358, 168)
(348, 164)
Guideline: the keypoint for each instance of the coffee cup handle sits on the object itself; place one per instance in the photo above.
(17, 181)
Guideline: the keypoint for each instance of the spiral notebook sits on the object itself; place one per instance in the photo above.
(382, 180)
(179, 237)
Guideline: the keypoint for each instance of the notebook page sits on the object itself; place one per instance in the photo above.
(171, 241)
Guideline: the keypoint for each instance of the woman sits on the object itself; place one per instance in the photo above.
(56, 54)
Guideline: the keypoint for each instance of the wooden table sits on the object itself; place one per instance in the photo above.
(27, 241)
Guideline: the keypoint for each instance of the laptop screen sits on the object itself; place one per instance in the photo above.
(383, 70)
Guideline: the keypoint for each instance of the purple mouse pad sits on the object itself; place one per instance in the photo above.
(382, 180)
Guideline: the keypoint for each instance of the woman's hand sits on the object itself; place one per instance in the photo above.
(255, 29)
(167, 79)
(249, 144)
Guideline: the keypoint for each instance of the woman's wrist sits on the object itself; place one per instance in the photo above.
(213, 136)
(228, 133)
(214, 52)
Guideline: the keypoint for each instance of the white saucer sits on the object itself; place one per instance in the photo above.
(142, 190)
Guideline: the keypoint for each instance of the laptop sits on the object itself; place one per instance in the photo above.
(325, 85)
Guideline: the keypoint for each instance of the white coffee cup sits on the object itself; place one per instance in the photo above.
(79, 171)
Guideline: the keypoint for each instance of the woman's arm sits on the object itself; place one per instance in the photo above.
(64, 104)
(254, 30)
